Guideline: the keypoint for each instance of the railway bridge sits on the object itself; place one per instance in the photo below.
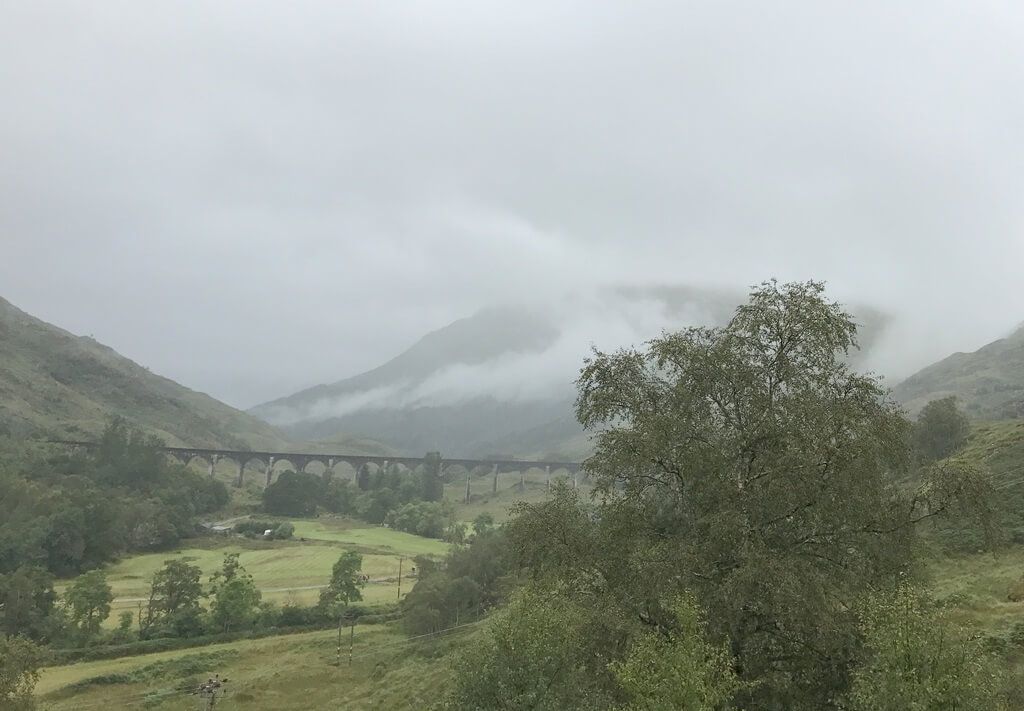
(360, 465)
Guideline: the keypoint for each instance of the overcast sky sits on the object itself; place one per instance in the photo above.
(254, 197)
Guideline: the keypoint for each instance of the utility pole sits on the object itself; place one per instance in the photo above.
(351, 640)
(339, 640)
(400, 559)
(469, 471)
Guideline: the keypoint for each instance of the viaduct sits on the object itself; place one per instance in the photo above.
(361, 465)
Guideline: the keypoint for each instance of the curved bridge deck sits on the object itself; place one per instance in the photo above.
(359, 463)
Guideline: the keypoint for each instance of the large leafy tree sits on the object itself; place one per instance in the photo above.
(751, 465)
(88, 600)
(173, 606)
(235, 596)
(345, 586)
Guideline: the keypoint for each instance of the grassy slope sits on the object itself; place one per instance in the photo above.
(1000, 447)
(278, 673)
(66, 385)
(988, 382)
(979, 584)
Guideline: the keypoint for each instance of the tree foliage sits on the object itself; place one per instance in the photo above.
(27, 603)
(69, 513)
(174, 608)
(538, 653)
(470, 580)
(345, 586)
(20, 660)
(235, 597)
(88, 600)
(919, 660)
(293, 494)
(750, 465)
(422, 518)
(678, 669)
(940, 431)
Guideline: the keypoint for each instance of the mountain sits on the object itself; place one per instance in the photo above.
(61, 385)
(988, 382)
(393, 402)
(500, 382)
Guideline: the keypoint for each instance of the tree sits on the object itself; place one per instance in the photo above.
(919, 660)
(294, 494)
(433, 484)
(345, 586)
(751, 465)
(20, 660)
(455, 533)
(173, 606)
(679, 669)
(536, 654)
(27, 603)
(483, 523)
(88, 600)
(941, 430)
(235, 596)
(471, 579)
(430, 519)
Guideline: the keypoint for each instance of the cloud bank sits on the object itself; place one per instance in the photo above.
(255, 197)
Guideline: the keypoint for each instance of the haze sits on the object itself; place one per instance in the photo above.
(255, 197)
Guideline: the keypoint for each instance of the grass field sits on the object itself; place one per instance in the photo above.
(285, 571)
(287, 672)
(978, 586)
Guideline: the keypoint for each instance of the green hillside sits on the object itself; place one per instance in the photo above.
(988, 382)
(58, 384)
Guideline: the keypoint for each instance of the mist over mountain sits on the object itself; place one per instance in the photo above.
(501, 382)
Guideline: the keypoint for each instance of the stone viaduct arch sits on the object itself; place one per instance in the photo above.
(362, 465)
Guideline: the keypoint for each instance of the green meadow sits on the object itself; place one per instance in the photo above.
(287, 672)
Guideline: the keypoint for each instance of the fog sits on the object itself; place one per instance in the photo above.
(251, 198)
(540, 371)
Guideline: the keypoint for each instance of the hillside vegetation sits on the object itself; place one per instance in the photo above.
(68, 386)
(989, 383)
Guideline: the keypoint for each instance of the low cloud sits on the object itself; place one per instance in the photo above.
(253, 198)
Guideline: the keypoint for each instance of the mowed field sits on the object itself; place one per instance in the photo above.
(292, 671)
(293, 571)
(288, 672)
(286, 571)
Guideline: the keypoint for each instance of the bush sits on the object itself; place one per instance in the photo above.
(283, 531)
(423, 518)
